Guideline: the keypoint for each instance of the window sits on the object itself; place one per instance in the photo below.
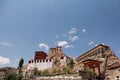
(117, 77)
(62, 57)
(37, 61)
(43, 60)
(105, 49)
(29, 62)
(102, 50)
(50, 60)
(98, 50)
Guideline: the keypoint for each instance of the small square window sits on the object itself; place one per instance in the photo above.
(62, 57)
(117, 76)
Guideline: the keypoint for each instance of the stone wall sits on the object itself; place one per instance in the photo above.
(113, 74)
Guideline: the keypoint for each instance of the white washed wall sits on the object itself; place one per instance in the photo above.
(41, 65)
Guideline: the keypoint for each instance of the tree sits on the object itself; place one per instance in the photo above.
(71, 64)
(90, 72)
(21, 62)
(45, 72)
(56, 71)
(19, 76)
(37, 72)
(12, 76)
(66, 70)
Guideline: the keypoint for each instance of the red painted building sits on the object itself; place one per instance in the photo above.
(40, 55)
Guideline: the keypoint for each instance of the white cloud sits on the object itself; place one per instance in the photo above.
(96, 45)
(73, 38)
(64, 44)
(4, 60)
(73, 30)
(43, 46)
(91, 42)
(6, 44)
(68, 46)
(103, 43)
(83, 30)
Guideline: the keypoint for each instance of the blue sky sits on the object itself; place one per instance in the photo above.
(27, 26)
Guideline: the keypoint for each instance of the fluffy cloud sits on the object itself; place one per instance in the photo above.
(4, 60)
(64, 44)
(73, 38)
(96, 45)
(43, 46)
(72, 31)
(6, 44)
(83, 30)
(103, 43)
(91, 42)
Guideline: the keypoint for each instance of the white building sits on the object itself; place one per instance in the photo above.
(43, 61)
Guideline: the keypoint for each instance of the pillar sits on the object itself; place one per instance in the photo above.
(99, 72)
(93, 69)
(84, 67)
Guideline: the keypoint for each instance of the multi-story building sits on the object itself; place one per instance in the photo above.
(43, 61)
(101, 53)
(109, 66)
(40, 62)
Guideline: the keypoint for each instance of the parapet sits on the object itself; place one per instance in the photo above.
(40, 61)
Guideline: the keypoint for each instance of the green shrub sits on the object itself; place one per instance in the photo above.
(14, 76)
(45, 73)
(19, 76)
(66, 70)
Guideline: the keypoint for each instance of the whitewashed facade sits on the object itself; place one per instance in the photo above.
(41, 64)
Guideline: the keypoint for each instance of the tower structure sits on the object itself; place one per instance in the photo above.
(55, 52)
